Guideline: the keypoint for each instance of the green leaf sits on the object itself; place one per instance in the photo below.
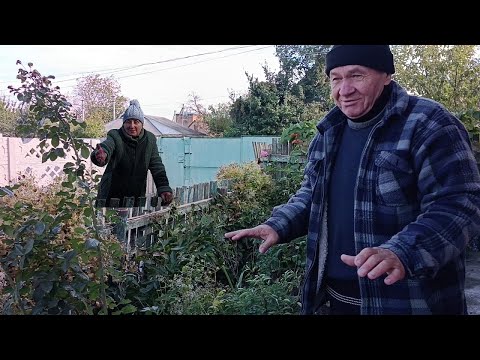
(8, 230)
(129, 309)
(46, 286)
(78, 270)
(39, 228)
(85, 153)
(67, 184)
(55, 140)
(94, 291)
(28, 247)
(79, 230)
(91, 244)
(60, 153)
(69, 254)
(68, 258)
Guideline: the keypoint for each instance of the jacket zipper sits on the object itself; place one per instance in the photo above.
(367, 143)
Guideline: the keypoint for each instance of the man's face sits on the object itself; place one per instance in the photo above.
(355, 88)
(133, 127)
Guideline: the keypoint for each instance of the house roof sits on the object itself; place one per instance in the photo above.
(158, 126)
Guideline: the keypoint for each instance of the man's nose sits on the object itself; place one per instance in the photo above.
(346, 87)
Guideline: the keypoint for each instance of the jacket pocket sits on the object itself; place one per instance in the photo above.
(396, 184)
(314, 168)
(104, 186)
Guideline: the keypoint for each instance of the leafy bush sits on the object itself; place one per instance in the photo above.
(299, 136)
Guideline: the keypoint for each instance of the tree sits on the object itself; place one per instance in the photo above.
(94, 126)
(302, 73)
(258, 113)
(9, 113)
(95, 100)
(268, 108)
(218, 120)
(449, 74)
(194, 105)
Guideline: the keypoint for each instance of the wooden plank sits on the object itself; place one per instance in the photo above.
(100, 203)
(122, 225)
(190, 195)
(206, 191)
(181, 195)
(146, 219)
(154, 202)
(213, 188)
(114, 202)
(128, 202)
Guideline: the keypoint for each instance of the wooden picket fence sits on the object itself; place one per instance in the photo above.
(279, 155)
(135, 225)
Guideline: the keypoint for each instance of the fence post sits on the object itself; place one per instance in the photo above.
(213, 188)
(154, 202)
(121, 226)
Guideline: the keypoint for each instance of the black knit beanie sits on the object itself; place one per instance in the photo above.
(378, 57)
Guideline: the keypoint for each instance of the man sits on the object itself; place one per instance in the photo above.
(389, 200)
(130, 152)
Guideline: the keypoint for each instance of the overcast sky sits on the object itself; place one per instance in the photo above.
(161, 77)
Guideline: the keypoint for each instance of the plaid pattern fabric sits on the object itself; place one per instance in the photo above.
(417, 194)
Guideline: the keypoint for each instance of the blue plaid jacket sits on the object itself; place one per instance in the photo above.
(417, 194)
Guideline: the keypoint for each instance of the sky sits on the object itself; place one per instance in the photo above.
(161, 77)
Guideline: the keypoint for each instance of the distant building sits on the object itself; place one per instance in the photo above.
(158, 126)
(191, 120)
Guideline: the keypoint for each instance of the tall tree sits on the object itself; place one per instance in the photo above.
(219, 120)
(298, 92)
(449, 74)
(194, 104)
(302, 73)
(258, 113)
(97, 101)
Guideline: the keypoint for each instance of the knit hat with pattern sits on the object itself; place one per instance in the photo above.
(133, 112)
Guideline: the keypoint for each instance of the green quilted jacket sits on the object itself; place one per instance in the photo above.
(128, 161)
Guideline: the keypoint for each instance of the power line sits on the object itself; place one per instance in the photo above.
(173, 67)
(178, 66)
(126, 68)
(198, 62)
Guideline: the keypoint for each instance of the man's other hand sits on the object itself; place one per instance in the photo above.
(167, 198)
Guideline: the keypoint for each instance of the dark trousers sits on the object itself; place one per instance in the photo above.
(343, 297)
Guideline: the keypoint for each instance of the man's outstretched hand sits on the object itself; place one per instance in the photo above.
(167, 198)
(100, 155)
